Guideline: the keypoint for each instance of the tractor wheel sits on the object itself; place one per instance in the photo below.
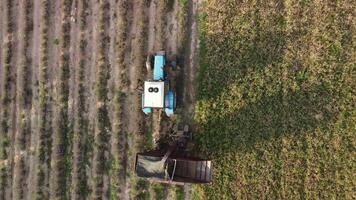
(149, 63)
(175, 101)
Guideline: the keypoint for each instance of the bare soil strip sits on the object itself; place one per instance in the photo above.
(90, 71)
(33, 138)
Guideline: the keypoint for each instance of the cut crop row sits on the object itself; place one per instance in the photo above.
(160, 22)
(102, 124)
(138, 60)
(61, 158)
(119, 137)
(6, 100)
(80, 146)
(24, 100)
(45, 125)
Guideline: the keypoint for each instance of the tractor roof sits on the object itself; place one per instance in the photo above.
(158, 72)
(153, 96)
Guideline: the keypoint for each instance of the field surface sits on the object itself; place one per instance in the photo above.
(71, 80)
(276, 99)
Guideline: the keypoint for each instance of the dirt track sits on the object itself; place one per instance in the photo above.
(90, 116)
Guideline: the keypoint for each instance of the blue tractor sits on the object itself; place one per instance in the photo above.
(157, 93)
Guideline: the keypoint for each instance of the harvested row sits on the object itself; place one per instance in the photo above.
(119, 137)
(45, 124)
(102, 123)
(24, 103)
(80, 157)
(61, 161)
(137, 63)
(158, 46)
(6, 99)
(161, 7)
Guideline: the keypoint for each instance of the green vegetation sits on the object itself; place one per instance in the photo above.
(179, 192)
(276, 102)
(160, 190)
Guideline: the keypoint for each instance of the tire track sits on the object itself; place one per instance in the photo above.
(92, 58)
(34, 112)
(160, 24)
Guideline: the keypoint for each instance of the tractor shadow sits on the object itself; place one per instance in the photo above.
(268, 119)
(241, 56)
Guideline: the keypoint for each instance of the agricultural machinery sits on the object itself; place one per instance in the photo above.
(171, 161)
(157, 93)
(173, 164)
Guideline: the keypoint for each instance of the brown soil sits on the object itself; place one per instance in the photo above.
(150, 27)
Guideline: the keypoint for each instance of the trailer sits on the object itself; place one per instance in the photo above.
(173, 164)
(172, 168)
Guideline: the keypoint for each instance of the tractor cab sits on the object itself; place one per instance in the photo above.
(157, 93)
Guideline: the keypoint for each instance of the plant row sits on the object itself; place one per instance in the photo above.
(80, 187)
(6, 100)
(119, 137)
(159, 24)
(24, 100)
(44, 112)
(138, 60)
(102, 123)
(61, 151)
